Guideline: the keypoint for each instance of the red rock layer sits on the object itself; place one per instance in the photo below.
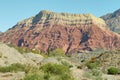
(71, 32)
(70, 39)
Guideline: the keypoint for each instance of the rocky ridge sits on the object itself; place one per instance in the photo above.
(113, 20)
(62, 19)
(70, 32)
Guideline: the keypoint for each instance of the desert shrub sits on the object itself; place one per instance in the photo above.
(94, 74)
(20, 49)
(100, 50)
(56, 72)
(91, 65)
(13, 68)
(23, 49)
(66, 64)
(56, 52)
(113, 70)
(10, 45)
(18, 67)
(0, 55)
(35, 51)
(79, 66)
(54, 68)
(47, 76)
(83, 60)
(34, 76)
(65, 77)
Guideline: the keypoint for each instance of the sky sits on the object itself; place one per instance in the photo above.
(12, 11)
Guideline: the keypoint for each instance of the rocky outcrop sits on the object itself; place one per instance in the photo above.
(113, 20)
(70, 32)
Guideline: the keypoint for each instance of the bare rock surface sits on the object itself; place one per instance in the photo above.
(78, 74)
(33, 59)
(9, 55)
(113, 20)
(70, 32)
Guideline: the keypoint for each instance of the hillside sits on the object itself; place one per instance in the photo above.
(21, 64)
(113, 20)
(0, 32)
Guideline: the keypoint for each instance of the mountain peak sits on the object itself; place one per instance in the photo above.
(54, 18)
(45, 14)
(117, 13)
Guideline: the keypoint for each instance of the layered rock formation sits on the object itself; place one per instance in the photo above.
(113, 20)
(70, 32)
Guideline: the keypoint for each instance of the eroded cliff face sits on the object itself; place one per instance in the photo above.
(70, 32)
(51, 18)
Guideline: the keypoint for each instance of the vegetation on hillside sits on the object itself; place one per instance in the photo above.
(95, 64)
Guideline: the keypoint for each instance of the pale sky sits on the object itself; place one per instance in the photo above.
(12, 11)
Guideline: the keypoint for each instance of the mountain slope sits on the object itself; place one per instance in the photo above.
(113, 20)
(9, 55)
(0, 32)
(70, 32)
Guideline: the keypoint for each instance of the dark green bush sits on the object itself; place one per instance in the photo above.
(65, 77)
(113, 70)
(79, 67)
(47, 76)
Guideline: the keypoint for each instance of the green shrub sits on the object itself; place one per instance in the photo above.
(54, 68)
(13, 68)
(79, 66)
(56, 52)
(47, 76)
(92, 65)
(66, 64)
(0, 55)
(23, 50)
(65, 77)
(113, 70)
(20, 49)
(56, 72)
(94, 74)
(34, 76)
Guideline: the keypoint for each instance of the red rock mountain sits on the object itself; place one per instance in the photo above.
(70, 32)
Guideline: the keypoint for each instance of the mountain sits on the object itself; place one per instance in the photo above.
(113, 20)
(70, 32)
